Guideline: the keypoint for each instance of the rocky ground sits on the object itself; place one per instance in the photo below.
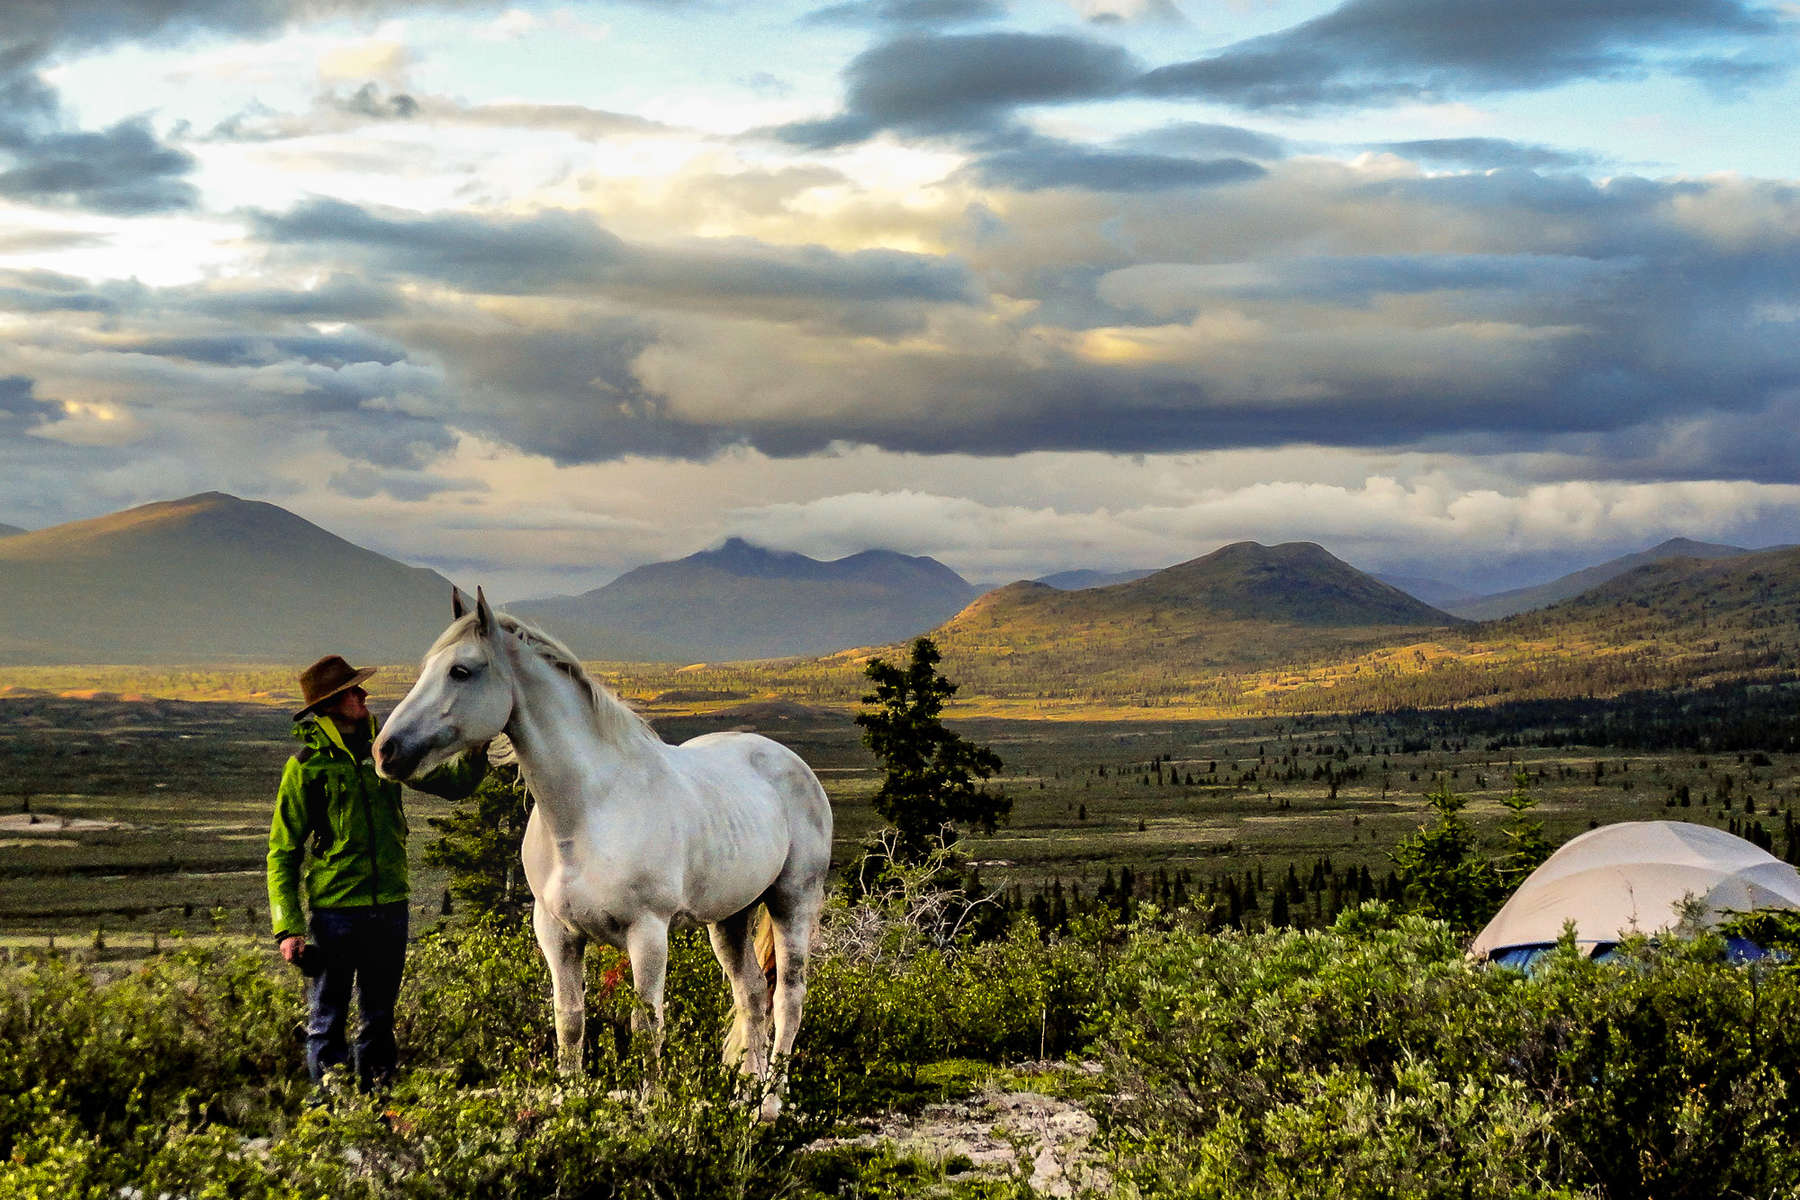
(1001, 1132)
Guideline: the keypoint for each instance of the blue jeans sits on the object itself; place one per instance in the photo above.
(364, 948)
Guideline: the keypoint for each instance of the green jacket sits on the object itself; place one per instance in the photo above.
(346, 823)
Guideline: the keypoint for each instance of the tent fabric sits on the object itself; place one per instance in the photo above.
(1633, 878)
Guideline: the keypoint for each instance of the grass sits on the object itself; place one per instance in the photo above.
(193, 782)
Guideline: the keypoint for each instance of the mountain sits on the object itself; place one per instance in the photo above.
(1241, 606)
(209, 579)
(742, 601)
(8, 530)
(1433, 592)
(1074, 581)
(1296, 582)
(1518, 600)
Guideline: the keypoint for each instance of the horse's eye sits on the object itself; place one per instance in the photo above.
(460, 672)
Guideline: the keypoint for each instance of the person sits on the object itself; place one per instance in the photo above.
(346, 825)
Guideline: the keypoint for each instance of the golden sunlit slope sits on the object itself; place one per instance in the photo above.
(1519, 600)
(209, 578)
(1677, 623)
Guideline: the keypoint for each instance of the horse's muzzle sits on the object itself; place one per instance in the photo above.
(396, 761)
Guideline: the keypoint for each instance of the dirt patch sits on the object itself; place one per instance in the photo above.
(998, 1133)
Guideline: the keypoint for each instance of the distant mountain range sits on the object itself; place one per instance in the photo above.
(209, 579)
(1518, 600)
(214, 579)
(741, 601)
(8, 530)
(1433, 592)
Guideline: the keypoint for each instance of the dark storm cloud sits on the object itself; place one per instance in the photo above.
(1481, 153)
(1386, 51)
(1041, 163)
(927, 13)
(963, 84)
(567, 253)
(1203, 140)
(552, 251)
(122, 170)
(1614, 307)
(568, 393)
(20, 406)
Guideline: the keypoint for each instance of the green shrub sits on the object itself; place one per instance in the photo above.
(1374, 1059)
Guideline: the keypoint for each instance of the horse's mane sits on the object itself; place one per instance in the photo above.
(616, 719)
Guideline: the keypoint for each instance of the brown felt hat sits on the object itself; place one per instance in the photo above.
(328, 677)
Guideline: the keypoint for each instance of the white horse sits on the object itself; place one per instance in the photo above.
(630, 836)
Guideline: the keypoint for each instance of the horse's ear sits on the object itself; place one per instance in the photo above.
(459, 603)
(484, 616)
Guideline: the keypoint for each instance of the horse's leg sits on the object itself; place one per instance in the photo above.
(562, 948)
(734, 944)
(796, 917)
(647, 942)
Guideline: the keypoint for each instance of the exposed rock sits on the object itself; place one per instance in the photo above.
(999, 1133)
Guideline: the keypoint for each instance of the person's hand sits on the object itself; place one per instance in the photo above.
(291, 948)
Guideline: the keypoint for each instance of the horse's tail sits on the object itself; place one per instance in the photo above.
(765, 950)
(764, 943)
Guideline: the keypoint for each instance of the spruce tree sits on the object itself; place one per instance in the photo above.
(479, 842)
(933, 787)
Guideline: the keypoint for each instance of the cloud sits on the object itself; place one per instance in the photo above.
(566, 253)
(338, 111)
(1039, 163)
(1482, 153)
(121, 170)
(19, 406)
(47, 27)
(1389, 51)
(963, 84)
(1203, 140)
(409, 486)
(46, 291)
(924, 13)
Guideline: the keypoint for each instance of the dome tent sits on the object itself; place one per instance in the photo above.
(1635, 877)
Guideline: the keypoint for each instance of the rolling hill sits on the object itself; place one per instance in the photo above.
(742, 601)
(1518, 600)
(209, 579)
(1240, 608)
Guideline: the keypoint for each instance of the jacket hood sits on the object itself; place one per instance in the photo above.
(321, 734)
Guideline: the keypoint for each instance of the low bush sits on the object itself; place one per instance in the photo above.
(1373, 1059)
(1363, 1060)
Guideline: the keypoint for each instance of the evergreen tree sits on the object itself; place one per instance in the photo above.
(479, 841)
(1526, 847)
(934, 777)
(1440, 870)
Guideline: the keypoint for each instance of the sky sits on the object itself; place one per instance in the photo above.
(1477, 291)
